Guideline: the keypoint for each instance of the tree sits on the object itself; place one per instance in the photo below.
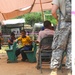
(35, 17)
(32, 18)
(49, 17)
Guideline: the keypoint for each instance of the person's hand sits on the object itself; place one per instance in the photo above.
(15, 40)
(35, 41)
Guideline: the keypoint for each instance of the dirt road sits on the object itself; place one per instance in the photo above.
(21, 68)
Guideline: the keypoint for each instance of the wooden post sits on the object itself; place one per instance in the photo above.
(42, 10)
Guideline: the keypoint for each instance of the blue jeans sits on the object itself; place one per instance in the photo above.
(22, 49)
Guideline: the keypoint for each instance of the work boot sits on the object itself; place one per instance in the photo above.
(69, 72)
(53, 72)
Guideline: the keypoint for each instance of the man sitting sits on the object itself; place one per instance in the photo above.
(46, 32)
(11, 39)
(26, 45)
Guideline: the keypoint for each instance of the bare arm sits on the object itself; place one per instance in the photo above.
(54, 11)
(10, 41)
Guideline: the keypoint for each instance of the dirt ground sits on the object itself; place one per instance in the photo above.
(22, 68)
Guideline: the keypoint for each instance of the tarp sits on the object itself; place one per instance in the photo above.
(12, 8)
(46, 5)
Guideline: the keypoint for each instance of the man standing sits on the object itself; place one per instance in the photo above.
(62, 37)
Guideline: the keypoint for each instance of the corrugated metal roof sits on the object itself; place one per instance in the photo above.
(13, 21)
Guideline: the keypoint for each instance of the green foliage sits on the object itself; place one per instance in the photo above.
(51, 19)
(35, 17)
(32, 18)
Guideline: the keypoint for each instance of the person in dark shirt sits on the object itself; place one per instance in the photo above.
(1, 40)
(11, 39)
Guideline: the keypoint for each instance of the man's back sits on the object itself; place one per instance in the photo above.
(44, 33)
